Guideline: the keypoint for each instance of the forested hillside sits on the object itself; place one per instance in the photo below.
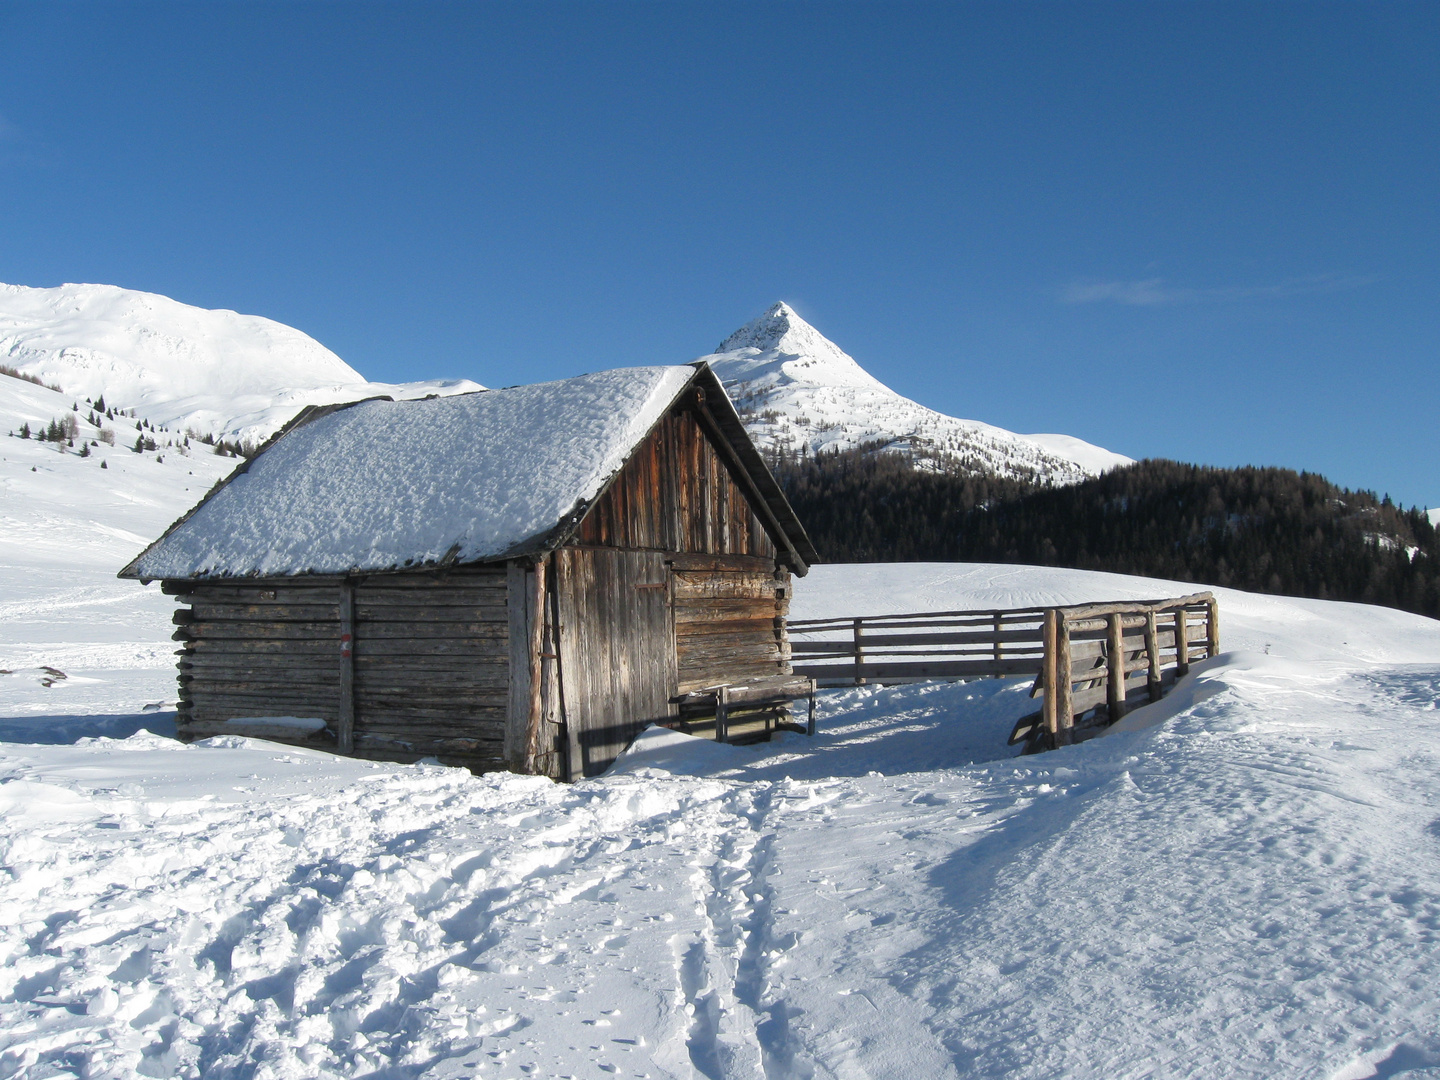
(1261, 529)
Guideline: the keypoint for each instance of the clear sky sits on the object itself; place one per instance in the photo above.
(1202, 231)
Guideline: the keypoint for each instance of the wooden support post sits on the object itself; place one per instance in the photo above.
(1152, 653)
(1049, 706)
(1212, 627)
(722, 714)
(1182, 642)
(345, 723)
(1115, 666)
(859, 653)
(535, 708)
(810, 723)
(999, 650)
(1065, 697)
(520, 675)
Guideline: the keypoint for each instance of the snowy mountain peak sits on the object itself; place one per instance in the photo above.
(798, 389)
(780, 346)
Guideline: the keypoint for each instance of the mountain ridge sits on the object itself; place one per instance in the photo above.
(212, 371)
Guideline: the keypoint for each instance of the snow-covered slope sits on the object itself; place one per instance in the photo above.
(1243, 881)
(232, 376)
(796, 389)
(67, 524)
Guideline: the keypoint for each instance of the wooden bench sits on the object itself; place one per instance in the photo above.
(747, 711)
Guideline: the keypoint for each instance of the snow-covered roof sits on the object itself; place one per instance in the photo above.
(384, 485)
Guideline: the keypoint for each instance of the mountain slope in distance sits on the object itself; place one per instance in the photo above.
(217, 373)
(797, 390)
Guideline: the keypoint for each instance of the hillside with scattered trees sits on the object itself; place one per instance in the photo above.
(1261, 529)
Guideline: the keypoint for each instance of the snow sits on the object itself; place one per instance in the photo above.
(232, 376)
(1241, 881)
(66, 526)
(1434, 516)
(386, 484)
(795, 389)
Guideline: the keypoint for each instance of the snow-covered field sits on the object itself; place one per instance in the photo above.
(1244, 882)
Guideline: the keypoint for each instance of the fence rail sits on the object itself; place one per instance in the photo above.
(1113, 653)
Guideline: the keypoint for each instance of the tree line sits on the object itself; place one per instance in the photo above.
(1265, 530)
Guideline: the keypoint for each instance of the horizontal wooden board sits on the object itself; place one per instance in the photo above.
(449, 613)
(704, 562)
(205, 611)
(714, 609)
(256, 594)
(699, 586)
(274, 631)
(391, 631)
(927, 669)
(478, 650)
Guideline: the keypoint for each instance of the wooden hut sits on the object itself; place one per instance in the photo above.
(520, 578)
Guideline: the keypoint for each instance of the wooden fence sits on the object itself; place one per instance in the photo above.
(1116, 654)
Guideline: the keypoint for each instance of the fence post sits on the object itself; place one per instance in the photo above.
(722, 714)
(1065, 699)
(1182, 641)
(1051, 701)
(1212, 626)
(1152, 653)
(999, 651)
(1115, 666)
(859, 652)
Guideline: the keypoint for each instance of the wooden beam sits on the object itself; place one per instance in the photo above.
(1050, 705)
(517, 712)
(1152, 656)
(1115, 667)
(345, 724)
(1064, 699)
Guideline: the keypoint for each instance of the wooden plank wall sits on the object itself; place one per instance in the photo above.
(676, 494)
(430, 662)
(258, 649)
(729, 619)
(617, 661)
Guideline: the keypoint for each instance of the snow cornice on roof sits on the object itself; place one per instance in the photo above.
(381, 485)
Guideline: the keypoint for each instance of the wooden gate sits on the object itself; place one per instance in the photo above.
(617, 650)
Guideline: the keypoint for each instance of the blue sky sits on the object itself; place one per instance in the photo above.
(1202, 231)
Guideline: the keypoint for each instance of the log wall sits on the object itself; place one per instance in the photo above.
(428, 663)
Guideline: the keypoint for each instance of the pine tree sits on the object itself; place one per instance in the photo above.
(103, 465)
(100, 404)
(25, 431)
(84, 449)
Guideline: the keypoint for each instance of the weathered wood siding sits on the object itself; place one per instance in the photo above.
(432, 658)
(258, 650)
(729, 619)
(429, 654)
(617, 657)
(676, 494)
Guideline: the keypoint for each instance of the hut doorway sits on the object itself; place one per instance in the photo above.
(617, 682)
